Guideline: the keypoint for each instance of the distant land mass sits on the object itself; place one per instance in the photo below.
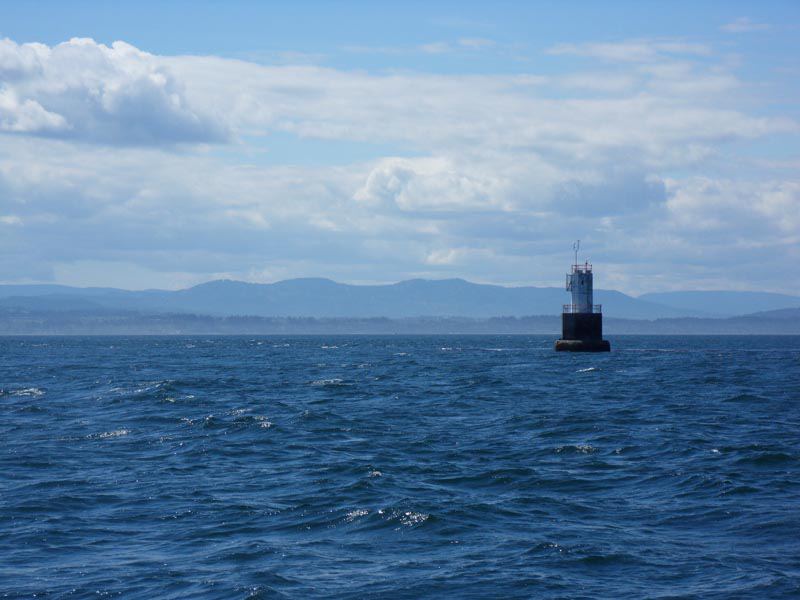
(323, 298)
(110, 322)
(723, 304)
(414, 306)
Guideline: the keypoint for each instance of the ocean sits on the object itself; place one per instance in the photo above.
(399, 467)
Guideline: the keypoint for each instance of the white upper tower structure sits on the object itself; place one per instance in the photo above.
(579, 283)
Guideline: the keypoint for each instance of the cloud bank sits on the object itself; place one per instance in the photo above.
(172, 164)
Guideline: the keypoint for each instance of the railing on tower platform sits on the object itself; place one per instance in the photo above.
(577, 309)
(584, 268)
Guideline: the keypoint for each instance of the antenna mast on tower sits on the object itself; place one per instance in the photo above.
(576, 246)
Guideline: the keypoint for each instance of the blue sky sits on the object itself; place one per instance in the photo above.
(160, 146)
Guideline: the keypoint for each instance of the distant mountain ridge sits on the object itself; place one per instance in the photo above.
(724, 303)
(324, 298)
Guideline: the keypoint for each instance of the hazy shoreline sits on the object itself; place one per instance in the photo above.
(27, 323)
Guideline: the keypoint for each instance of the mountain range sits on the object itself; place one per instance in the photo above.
(323, 298)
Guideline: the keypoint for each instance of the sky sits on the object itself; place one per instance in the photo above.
(159, 146)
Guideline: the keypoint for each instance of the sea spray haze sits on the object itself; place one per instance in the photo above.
(402, 467)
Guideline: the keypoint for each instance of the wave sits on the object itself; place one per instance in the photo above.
(332, 382)
(576, 449)
(105, 435)
(356, 514)
(33, 392)
(407, 518)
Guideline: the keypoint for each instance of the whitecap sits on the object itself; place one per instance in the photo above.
(587, 370)
(32, 391)
(263, 421)
(145, 387)
(580, 448)
(410, 518)
(109, 434)
(323, 382)
(355, 514)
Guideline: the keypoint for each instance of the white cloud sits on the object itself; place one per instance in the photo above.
(632, 50)
(447, 256)
(659, 117)
(88, 91)
(744, 25)
(736, 208)
(21, 61)
(429, 184)
(27, 116)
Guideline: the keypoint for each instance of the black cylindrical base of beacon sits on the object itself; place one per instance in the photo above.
(582, 332)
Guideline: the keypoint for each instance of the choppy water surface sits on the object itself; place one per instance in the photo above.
(462, 466)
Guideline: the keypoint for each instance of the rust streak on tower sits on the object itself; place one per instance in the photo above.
(581, 321)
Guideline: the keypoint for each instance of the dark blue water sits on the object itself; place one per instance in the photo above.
(401, 467)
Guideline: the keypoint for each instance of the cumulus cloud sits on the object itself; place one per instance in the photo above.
(429, 184)
(88, 91)
(27, 116)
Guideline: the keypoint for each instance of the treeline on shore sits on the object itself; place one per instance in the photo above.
(19, 322)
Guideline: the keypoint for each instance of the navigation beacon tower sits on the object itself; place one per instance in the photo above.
(581, 321)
